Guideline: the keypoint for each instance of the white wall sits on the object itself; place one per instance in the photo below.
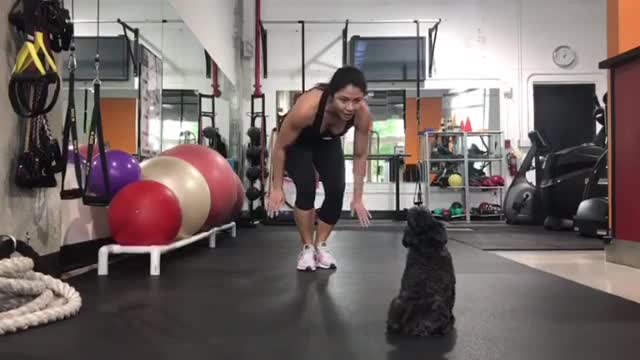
(213, 23)
(480, 43)
(491, 43)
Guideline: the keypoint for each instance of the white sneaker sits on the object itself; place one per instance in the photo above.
(306, 259)
(324, 259)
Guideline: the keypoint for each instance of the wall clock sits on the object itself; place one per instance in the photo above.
(564, 56)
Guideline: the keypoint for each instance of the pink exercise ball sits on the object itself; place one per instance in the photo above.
(218, 174)
(237, 208)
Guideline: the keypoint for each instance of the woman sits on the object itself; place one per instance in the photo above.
(309, 140)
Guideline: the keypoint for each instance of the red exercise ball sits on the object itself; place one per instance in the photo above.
(219, 176)
(144, 213)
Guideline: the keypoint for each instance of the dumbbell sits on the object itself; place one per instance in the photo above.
(253, 173)
(253, 154)
(255, 136)
(253, 193)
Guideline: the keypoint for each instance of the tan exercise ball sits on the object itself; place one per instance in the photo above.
(189, 186)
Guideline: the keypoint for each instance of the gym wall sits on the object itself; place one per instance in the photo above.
(480, 44)
(430, 117)
(212, 21)
(502, 44)
(623, 23)
(119, 123)
(36, 212)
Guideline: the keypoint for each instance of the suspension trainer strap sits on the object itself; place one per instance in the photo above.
(101, 199)
(70, 129)
(70, 123)
(104, 198)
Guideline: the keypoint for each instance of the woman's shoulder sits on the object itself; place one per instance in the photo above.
(312, 95)
(304, 109)
(309, 100)
(363, 117)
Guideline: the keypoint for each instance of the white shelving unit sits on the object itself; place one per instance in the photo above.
(495, 157)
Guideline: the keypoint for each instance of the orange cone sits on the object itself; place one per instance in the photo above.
(467, 125)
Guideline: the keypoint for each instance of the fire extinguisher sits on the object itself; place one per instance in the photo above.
(512, 160)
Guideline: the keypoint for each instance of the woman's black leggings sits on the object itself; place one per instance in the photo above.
(327, 157)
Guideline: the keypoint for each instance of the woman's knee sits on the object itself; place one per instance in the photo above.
(334, 186)
(305, 197)
(332, 204)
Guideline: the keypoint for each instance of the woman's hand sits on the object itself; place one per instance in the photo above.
(276, 201)
(358, 208)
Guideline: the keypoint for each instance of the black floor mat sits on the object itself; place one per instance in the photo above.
(245, 300)
(524, 238)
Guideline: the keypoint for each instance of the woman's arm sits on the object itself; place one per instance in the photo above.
(362, 130)
(300, 116)
(360, 153)
(296, 120)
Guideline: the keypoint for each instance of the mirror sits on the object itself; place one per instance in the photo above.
(395, 123)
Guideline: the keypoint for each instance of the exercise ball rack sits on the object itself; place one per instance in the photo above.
(156, 251)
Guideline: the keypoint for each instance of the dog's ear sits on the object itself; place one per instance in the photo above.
(438, 233)
(407, 239)
(442, 232)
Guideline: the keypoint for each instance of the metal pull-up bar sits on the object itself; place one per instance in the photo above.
(422, 21)
(433, 31)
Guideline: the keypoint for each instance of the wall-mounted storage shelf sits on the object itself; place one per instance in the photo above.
(461, 152)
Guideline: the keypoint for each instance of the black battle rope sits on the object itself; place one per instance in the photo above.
(96, 127)
(71, 130)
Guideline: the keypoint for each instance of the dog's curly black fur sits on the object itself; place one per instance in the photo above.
(424, 306)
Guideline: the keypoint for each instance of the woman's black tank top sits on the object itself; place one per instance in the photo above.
(312, 133)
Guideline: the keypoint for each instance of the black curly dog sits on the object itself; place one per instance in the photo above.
(424, 306)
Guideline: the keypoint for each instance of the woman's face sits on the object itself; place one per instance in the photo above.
(347, 101)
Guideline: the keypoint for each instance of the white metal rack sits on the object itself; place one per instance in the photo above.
(156, 251)
(496, 155)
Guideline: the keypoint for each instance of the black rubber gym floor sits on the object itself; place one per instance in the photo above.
(245, 300)
(505, 237)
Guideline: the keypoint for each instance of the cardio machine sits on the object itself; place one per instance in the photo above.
(522, 201)
(559, 187)
(592, 217)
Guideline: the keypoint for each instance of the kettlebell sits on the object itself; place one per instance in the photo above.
(254, 134)
(456, 209)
